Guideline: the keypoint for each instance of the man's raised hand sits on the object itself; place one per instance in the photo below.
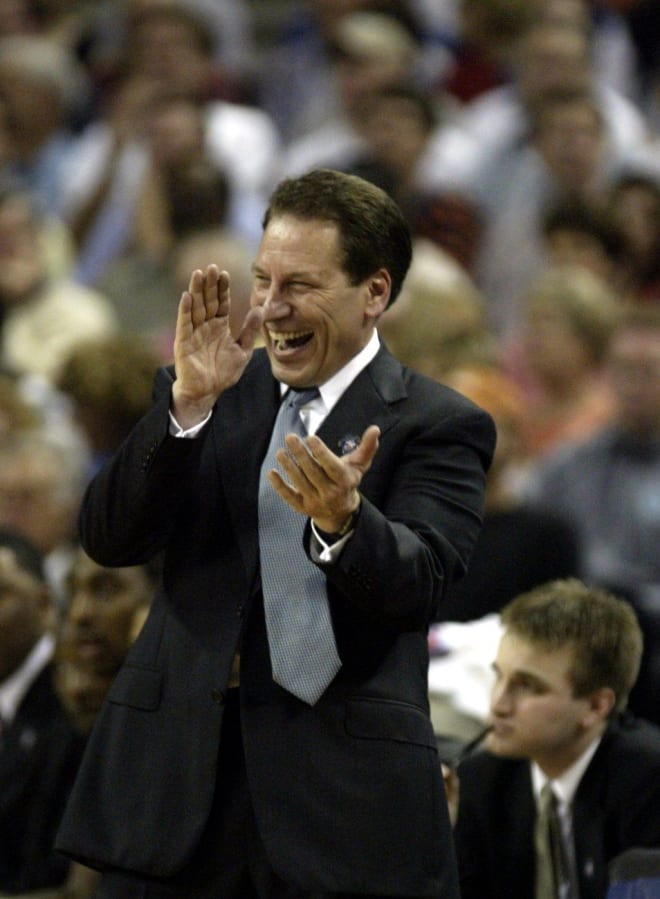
(207, 357)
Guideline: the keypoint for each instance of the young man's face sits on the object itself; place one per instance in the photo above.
(315, 319)
(533, 711)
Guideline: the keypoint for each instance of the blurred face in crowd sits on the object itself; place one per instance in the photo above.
(103, 603)
(397, 133)
(533, 711)
(553, 57)
(552, 347)
(316, 320)
(33, 501)
(81, 691)
(571, 140)
(24, 609)
(634, 367)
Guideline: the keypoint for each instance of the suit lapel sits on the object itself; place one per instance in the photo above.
(244, 419)
(242, 425)
(365, 402)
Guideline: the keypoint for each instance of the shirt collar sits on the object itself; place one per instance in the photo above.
(14, 688)
(565, 786)
(333, 388)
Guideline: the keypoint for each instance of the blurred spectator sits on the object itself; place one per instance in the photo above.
(408, 152)
(635, 205)
(568, 157)
(577, 232)
(225, 70)
(613, 52)
(43, 314)
(297, 73)
(369, 51)
(41, 483)
(16, 412)
(183, 189)
(103, 613)
(483, 52)
(608, 488)
(39, 749)
(565, 331)
(42, 86)
(108, 382)
(550, 57)
(438, 321)
(518, 547)
(113, 153)
(145, 290)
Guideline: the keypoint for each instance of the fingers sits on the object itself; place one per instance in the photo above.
(209, 292)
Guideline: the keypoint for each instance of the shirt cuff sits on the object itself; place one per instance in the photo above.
(187, 433)
(326, 552)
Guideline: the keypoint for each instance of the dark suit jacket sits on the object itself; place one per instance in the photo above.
(361, 764)
(39, 758)
(616, 807)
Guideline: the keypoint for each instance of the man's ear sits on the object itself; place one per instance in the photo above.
(379, 286)
(599, 705)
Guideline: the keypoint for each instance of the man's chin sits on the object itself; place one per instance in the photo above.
(502, 746)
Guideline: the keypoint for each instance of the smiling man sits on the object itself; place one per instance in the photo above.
(566, 662)
(271, 721)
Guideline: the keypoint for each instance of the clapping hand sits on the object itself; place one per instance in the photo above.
(207, 357)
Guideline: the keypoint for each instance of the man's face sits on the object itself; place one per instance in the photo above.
(533, 711)
(315, 320)
(32, 501)
(103, 602)
(23, 612)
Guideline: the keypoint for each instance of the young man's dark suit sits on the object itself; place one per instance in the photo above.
(615, 807)
(39, 756)
(347, 793)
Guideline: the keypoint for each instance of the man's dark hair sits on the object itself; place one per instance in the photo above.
(27, 556)
(373, 233)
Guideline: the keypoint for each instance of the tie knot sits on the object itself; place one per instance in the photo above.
(299, 398)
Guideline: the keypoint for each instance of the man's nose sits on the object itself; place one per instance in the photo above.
(275, 305)
(81, 608)
(500, 699)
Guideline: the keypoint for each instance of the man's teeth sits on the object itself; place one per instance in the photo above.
(283, 340)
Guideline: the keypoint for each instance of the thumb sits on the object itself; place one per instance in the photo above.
(362, 456)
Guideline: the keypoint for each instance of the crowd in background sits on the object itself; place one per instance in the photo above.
(140, 139)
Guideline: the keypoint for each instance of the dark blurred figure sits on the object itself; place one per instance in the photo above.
(39, 748)
(103, 614)
(635, 205)
(518, 547)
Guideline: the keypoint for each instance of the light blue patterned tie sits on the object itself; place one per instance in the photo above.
(303, 652)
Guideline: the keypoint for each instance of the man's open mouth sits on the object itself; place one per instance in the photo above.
(289, 340)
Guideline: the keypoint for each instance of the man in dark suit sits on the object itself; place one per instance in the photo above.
(204, 777)
(567, 660)
(39, 749)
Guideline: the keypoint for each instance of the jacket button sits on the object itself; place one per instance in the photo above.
(217, 696)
